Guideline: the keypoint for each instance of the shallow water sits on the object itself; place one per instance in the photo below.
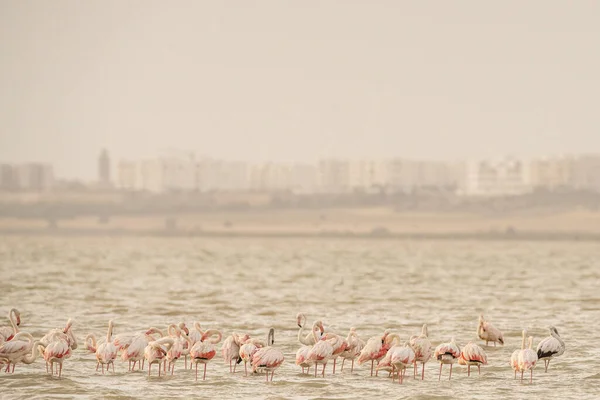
(250, 285)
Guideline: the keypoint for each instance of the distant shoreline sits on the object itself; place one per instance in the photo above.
(484, 236)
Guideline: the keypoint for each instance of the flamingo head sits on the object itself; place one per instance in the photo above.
(18, 317)
(184, 328)
(553, 330)
(68, 326)
(299, 318)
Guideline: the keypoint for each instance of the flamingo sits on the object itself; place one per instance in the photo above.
(56, 351)
(422, 347)
(247, 351)
(106, 352)
(550, 347)
(205, 350)
(309, 339)
(17, 350)
(527, 360)
(177, 349)
(8, 332)
(488, 332)
(186, 345)
(376, 348)
(401, 357)
(231, 349)
(447, 353)
(472, 354)
(322, 351)
(134, 351)
(156, 351)
(514, 357)
(302, 358)
(269, 357)
(132, 348)
(354, 347)
(339, 346)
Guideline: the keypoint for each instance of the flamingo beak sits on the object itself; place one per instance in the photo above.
(18, 320)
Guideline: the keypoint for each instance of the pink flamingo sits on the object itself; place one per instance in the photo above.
(339, 346)
(8, 332)
(231, 349)
(55, 352)
(156, 351)
(401, 357)
(550, 347)
(472, 354)
(17, 350)
(106, 352)
(177, 350)
(321, 352)
(195, 336)
(527, 360)
(302, 358)
(514, 357)
(247, 351)
(132, 347)
(376, 348)
(488, 332)
(422, 347)
(205, 350)
(268, 358)
(353, 348)
(447, 353)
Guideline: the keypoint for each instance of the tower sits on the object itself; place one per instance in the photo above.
(104, 168)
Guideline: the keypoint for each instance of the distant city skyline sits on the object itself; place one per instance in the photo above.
(297, 81)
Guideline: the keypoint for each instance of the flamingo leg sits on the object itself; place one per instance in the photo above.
(423, 372)
(479, 368)
(60, 370)
(172, 368)
(186, 361)
(440, 376)
(352, 368)
(415, 370)
(230, 369)
(159, 367)
(450, 372)
(521, 376)
(246, 368)
(267, 375)
(372, 363)
(97, 366)
(234, 365)
(401, 375)
(204, 377)
(393, 376)
(149, 368)
(272, 373)
(323, 372)
(143, 362)
(469, 370)
(547, 364)
(334, 360)
(515, 374)
(113, 365)
(46, 366)
(531, 379)
(316, 368)
(196, 372)
(342, 369)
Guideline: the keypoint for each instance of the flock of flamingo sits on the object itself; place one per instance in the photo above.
(384, 352)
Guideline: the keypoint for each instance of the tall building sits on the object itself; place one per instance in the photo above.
(8, 178)
(104, 168)
(552, 172)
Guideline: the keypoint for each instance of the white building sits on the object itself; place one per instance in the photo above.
(506, 177)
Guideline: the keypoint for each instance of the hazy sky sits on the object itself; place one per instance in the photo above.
(296, 80)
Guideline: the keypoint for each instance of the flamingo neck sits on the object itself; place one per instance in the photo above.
(523, 340)
(12, 315)
(30, 358)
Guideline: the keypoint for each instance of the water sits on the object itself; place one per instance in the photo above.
(249, 285)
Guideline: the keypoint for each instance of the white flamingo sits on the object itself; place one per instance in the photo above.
(514, 357)
(106, 352)
(204, 350)
(550, 347)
